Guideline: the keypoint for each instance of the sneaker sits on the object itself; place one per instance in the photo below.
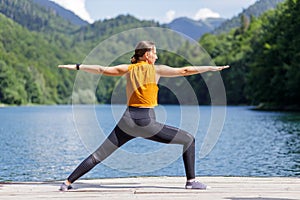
(195, 185)
(64, 187)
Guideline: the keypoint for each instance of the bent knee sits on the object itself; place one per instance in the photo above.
(187, 138)
(191, 138)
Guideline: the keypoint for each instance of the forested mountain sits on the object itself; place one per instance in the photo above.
(66, 14)
(35, 17)
(264, 56)
(108, 27)
(34, 40)
(255, 10)
(195, 29)
(27, 60)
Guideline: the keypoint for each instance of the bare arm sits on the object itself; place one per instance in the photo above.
(117, 70)
(166, 71)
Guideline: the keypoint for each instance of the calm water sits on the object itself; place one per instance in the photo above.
(43, 143)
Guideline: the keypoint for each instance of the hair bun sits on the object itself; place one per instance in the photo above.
(133, 59)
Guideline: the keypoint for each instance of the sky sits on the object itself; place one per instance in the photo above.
(163, 11)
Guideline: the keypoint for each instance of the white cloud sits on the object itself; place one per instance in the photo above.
(77, 7)
(204, 13)
(170, 15)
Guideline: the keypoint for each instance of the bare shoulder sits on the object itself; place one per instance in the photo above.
(167, 71)
(122, 67)
(162, 67)
(117, 70)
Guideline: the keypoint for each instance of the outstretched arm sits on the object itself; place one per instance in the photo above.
(118, 70)
(166, 71)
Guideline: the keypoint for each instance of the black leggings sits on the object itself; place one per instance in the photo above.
(140, 122)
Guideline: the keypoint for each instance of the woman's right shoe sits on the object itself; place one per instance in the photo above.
(195, 185)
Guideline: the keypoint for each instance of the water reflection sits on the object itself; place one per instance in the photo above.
(255, 143)
(41, 143)
(289, 125)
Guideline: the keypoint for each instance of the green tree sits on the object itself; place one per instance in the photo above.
(11, 91)
(274, 77)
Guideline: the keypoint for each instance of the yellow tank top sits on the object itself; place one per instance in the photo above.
(141, 86)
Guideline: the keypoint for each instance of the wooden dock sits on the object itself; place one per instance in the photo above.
(156, 188)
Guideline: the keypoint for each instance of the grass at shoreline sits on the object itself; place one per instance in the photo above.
(270, 107)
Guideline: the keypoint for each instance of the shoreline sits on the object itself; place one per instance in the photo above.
(261, 107)
(272, 108)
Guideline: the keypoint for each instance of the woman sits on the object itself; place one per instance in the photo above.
(139, 117)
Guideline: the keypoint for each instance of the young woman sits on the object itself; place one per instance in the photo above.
(139, 118)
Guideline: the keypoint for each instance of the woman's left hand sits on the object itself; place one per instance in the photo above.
(219, 68)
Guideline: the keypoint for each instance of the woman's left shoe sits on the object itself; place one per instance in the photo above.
(64, 187)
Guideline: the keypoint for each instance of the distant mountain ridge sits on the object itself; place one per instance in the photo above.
(192, 28)
(195, 29)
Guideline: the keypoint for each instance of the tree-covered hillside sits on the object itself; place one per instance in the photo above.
(34, 40)
(66, 14)
(28, 60)
(263, 53)
(264, 56)
(35, 17)
(255, 10)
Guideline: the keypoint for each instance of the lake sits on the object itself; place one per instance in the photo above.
(44, 143)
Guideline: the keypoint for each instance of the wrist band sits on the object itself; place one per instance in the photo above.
(77, 66)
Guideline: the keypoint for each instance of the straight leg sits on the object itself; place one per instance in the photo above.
(116, 139)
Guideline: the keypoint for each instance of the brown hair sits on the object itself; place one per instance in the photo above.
(141, 48)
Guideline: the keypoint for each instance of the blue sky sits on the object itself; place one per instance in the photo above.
(162, 11)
